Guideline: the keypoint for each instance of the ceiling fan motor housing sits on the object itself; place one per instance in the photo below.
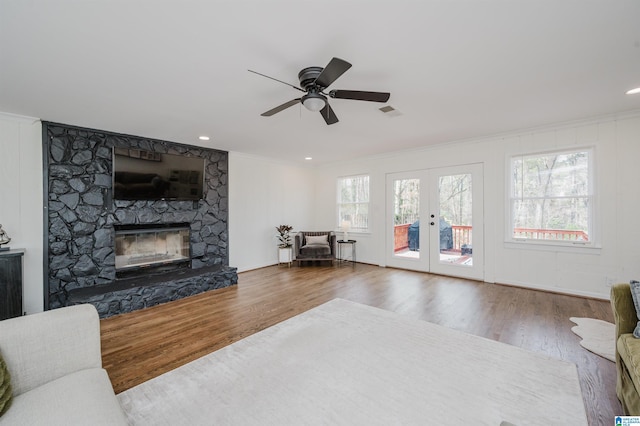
(308, 77)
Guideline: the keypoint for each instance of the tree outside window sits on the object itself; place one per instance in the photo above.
(552, 197)
(455, 196)
(353, 202)
(407, 201)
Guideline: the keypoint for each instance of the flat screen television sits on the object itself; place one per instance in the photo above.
(146, 175)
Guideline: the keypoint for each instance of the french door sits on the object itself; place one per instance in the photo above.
(435, 222)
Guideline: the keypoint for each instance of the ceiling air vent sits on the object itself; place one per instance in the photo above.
(390, 111)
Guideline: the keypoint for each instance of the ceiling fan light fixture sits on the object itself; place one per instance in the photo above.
(314, 101)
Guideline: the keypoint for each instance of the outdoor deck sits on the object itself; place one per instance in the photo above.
(462, 237)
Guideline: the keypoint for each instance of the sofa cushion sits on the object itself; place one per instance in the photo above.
(42, 347)
(315, 250)
(629, 349)
(81, 398)
(6, 393)
(317, 240)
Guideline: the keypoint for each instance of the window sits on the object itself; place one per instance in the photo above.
(552, 197)
(353, 203)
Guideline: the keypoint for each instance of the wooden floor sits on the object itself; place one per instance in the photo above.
(141, 345)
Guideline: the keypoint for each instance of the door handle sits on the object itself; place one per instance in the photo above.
(433, 223)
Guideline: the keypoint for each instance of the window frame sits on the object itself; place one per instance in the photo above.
(547, 244)
(340, 203)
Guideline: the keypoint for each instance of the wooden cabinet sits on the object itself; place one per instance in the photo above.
(10, 283)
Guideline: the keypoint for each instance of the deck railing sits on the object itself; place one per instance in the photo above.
(550, 234)
(401, 237)
(462, 234)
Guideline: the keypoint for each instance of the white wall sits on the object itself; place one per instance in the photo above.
(263, 194)
(21, 205)
(617, 150)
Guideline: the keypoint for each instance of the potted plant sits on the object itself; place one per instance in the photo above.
(283, 235)
(285, 252)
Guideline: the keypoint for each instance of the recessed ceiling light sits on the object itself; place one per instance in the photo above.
(308, 158)
(204, 138)
(633, 91)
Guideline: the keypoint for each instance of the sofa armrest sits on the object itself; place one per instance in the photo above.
(43, 347)
(332, 243)
(624, 311)
(297, 243)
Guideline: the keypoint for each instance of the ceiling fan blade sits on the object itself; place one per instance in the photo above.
(334, 69)
(279, 81)
(360, 96)
(328, 114)
(280, 108)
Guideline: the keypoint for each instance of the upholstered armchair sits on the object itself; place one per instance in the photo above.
(315, 245)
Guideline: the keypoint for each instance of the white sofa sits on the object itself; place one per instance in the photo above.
(55, 364)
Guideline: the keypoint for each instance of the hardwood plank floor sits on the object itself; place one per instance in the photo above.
(141, 345)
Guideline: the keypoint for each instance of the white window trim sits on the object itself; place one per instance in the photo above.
(591, 247)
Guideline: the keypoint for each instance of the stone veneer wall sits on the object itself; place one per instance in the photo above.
(81, 212)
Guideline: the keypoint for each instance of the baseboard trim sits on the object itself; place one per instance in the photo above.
(557, 290)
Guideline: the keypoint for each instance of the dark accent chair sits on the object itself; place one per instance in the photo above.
(309, 249)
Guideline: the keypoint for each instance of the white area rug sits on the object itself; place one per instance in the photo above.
(343, 363)
(598, 336)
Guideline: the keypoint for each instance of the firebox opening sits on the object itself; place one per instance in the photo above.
(144, 249)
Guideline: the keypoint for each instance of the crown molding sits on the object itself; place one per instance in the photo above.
(16, 117)
(623, 115)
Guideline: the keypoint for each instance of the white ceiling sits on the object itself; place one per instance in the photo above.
(174, 70)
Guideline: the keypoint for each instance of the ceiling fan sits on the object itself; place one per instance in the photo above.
(313, 82)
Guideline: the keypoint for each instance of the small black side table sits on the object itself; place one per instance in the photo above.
(341, 255)
(11, 283)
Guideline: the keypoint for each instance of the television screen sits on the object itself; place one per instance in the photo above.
(146, 175)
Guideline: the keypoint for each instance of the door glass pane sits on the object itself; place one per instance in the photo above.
(455, 231)
(406, 226)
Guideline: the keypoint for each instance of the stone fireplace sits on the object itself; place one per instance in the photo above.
(122, 255)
